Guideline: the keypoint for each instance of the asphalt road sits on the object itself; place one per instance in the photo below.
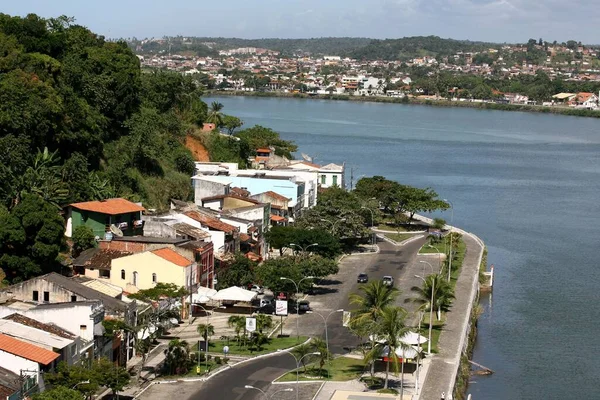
(332, 295)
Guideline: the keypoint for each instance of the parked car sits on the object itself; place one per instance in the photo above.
(266, 309)
(388, 280)
(256, 288)
(362, 278)
(303, 306)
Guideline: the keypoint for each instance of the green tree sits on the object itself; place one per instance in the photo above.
(177, 357)
(301, 352)
(374, 297)
(231, 123)
(259, 136)
(215, 116)
(280, 237)
(239, 273)
(205, 330)
(238, 323)
(320, 346)
(111, 375)
(69, 376)
(439, 223)
(58, 393)
(442, 294)
(83, 239)
(264, 322)
(390, 328)
(31, 236)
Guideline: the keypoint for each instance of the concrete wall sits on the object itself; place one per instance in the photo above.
(213, 204)
(158, 229)
(283, 187)
(146, 264)
(232, 202)
(326, 179)
(208, 188)
(16, 364)
(24, 291)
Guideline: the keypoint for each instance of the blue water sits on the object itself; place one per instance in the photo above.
(527, 184)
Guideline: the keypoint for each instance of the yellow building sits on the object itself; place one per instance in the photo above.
(144, 270)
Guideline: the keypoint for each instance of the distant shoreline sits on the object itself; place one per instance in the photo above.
(417, 101)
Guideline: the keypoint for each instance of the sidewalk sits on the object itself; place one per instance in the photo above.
(442, 370)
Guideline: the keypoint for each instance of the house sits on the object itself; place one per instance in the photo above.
(64, 345)
(586, 100)
(224, 236)
(144, 270)
(10, 385)
(279, 206)
(54, 288)
(21, 357)
(116, 215)
(95, 262)
(328, 175)
(207, 186)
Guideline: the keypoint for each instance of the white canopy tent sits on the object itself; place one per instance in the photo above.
(203, 295)
(405, 354)
(234, 293)
(411, 338)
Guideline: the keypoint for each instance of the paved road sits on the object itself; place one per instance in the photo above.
(333, 295)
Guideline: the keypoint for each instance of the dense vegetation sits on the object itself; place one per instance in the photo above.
(109, 129)
(417, 46)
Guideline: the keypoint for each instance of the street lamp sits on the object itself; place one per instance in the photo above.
(419, 353)
(81, 383)
(372, 223)
(298, 361)
(333, 223)
(451, 227)
(325, 321)
(439, 256)
(207, 323)
(265, 394)
(304, 248)
(430, 310)
(297, 295)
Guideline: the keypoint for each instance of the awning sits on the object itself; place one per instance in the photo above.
(277, 218)
(405, 354)
(235, 293)
(411, 338)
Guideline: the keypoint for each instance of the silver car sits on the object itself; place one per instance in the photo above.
(388, 280)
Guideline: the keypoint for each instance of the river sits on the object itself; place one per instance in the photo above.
(527, 184)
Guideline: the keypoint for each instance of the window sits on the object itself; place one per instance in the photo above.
(82, 328)
(73, 298)
(153, 278)
(123, 274)
(74, 350)
(135, 278)
(334, 180)
(36, 295)
(104, 273)
(46, 296)
(323, 179)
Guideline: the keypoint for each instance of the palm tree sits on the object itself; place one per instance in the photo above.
(264, 322)
(205, 330)
(177, 357)
(320, 346)
(390, 328)
(375, 298)
(238, 323)
(301, 351)
(215, 116)
(442, 295)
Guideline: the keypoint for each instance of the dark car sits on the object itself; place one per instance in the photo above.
(362, 278)
(266, 309)
(303, 306)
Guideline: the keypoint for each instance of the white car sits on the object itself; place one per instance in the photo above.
(388, 280)
(257, 289)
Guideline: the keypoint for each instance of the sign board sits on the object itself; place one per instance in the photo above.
(250, 324)
(281, 296)
(281, 307)
(346, 318)
(225, 349)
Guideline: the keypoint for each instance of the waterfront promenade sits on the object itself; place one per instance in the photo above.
(443, 368)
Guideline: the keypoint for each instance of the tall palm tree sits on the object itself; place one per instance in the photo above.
(390, 328)
(205, 330)
(237, 322)
(215, 116)
(264, 322)
(442, 295)
(373, 299)
(301, 351)
(319, 345)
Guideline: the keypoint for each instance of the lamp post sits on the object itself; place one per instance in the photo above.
(430, 306)
(439, 256)
(372, 223)
(419, 353)
(333, 223)
(304, 248)
(451, 227)
(297, 295)
(325, 321)
(207, 323)
(267, 397)
(298, 361)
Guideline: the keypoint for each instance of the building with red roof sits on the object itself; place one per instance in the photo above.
(116, 216)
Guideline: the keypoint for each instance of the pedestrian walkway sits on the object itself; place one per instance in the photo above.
(442, 371)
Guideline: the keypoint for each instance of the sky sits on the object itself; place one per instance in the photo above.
(483, 20)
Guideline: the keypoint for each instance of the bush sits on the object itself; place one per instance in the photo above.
(225, 360)
(218, 360)
(83, 239)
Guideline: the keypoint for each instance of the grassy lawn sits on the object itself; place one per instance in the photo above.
(192, 372)
(399, 237)
(273, 344)
(430, 250)
(438, 326)
(339, 369)
(386, 227)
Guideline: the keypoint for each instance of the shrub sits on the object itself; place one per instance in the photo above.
(218, 360)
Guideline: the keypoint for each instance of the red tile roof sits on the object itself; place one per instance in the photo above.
(27, 350)
(172, 256)
(276, 196)
(253, 256)
(277, 218)
(212, 223)
(244, 237)
(263, 150)
(109, 206)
